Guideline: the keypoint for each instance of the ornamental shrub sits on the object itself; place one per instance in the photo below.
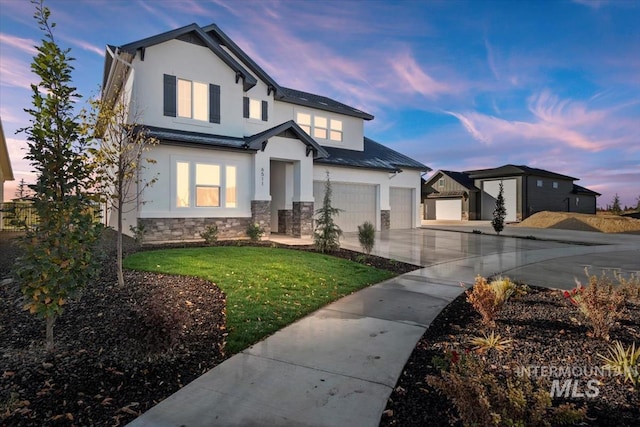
(255, 232)
(367, 236)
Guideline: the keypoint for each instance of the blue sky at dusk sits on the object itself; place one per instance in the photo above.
(457, 85)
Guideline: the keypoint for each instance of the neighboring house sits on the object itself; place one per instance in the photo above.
(472, 194)
(236, 147)
(6, 173)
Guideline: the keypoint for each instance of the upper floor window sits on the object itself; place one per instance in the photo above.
(441, 182)
(192, 100)
(539, 183)
(555, 184)
(323, 128)
(255, 109)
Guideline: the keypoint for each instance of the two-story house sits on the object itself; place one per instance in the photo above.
(236, 147)
(472, 194)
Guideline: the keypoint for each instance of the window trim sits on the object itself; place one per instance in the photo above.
(210, 100)
(224, 168)
(331, 126)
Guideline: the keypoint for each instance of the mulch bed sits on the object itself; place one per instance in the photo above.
(112, 362)
(546, 331)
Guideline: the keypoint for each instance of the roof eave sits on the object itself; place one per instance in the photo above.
(352, 113)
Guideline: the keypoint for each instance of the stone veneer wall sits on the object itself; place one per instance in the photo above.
(285, 221)
(181, 229)
(261, 215)
(302, 219)
(385, 220)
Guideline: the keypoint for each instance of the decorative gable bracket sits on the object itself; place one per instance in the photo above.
(309, 150)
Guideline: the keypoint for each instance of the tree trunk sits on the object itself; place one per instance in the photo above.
(119, 247)
(49, 332)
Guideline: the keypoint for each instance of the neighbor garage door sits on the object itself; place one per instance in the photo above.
(357, 201)
(450, 209)
(490, 194)
(401, 200)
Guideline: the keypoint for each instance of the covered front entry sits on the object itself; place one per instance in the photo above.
(357, 201)
(402, 207)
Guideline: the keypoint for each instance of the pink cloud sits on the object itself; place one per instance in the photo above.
(85, 45)
(16, 73)
(417, 80)
(25, 45)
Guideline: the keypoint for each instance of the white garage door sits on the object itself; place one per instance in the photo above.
(401, 200)
(490, 194)
(357, 201)
(450, 209)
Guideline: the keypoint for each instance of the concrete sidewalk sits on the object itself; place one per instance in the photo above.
(338, 365)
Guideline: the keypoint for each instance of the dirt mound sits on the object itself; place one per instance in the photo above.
(582, 222)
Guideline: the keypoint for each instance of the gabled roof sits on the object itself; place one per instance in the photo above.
(222, 39)
(374, 156)
(248, 79)
(461, 178)
(577, 189)
(214, 38)
(5, 161)
(249, 143)
(288, 129)
(307, 99)
(513, 170)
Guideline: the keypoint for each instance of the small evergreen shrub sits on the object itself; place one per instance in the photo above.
(367, 236)
(138, 232)
(500, 212)
(326, 236)
(210, 234)
(255, 232)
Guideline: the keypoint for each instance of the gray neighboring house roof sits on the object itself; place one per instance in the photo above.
(461, 178)
(513, 170)
(577, 189)
(249, 143)
(374, 156)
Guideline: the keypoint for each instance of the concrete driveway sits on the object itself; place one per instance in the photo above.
(338, 365)
(542, 257)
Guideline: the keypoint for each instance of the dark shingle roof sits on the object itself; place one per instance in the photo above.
(447, 194)
(513, 170)
(286, 129)
(307, 99)
(460, 177)
(374, 156)
(578, 189)
(252, 143)
(248, 79)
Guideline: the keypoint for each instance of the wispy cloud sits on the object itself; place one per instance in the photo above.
(84, 45)
(15, 73)
(25, 45)
(593, 4)
(414, 79)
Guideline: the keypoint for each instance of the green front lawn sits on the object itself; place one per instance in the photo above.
(266, 288)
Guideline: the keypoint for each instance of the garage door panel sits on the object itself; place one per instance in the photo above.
(357, 201)
(401, 201)
(490, 194)
(449, 209)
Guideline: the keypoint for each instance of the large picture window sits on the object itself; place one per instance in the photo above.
(201, 185)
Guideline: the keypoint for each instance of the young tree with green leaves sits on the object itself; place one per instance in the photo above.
(58, 255)
(119, 160)
(327, 234)
(500, 212)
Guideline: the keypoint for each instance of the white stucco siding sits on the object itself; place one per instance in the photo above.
(289, 150)
(160, 198)
(352, 127)
(407, 179)
(192, 62)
